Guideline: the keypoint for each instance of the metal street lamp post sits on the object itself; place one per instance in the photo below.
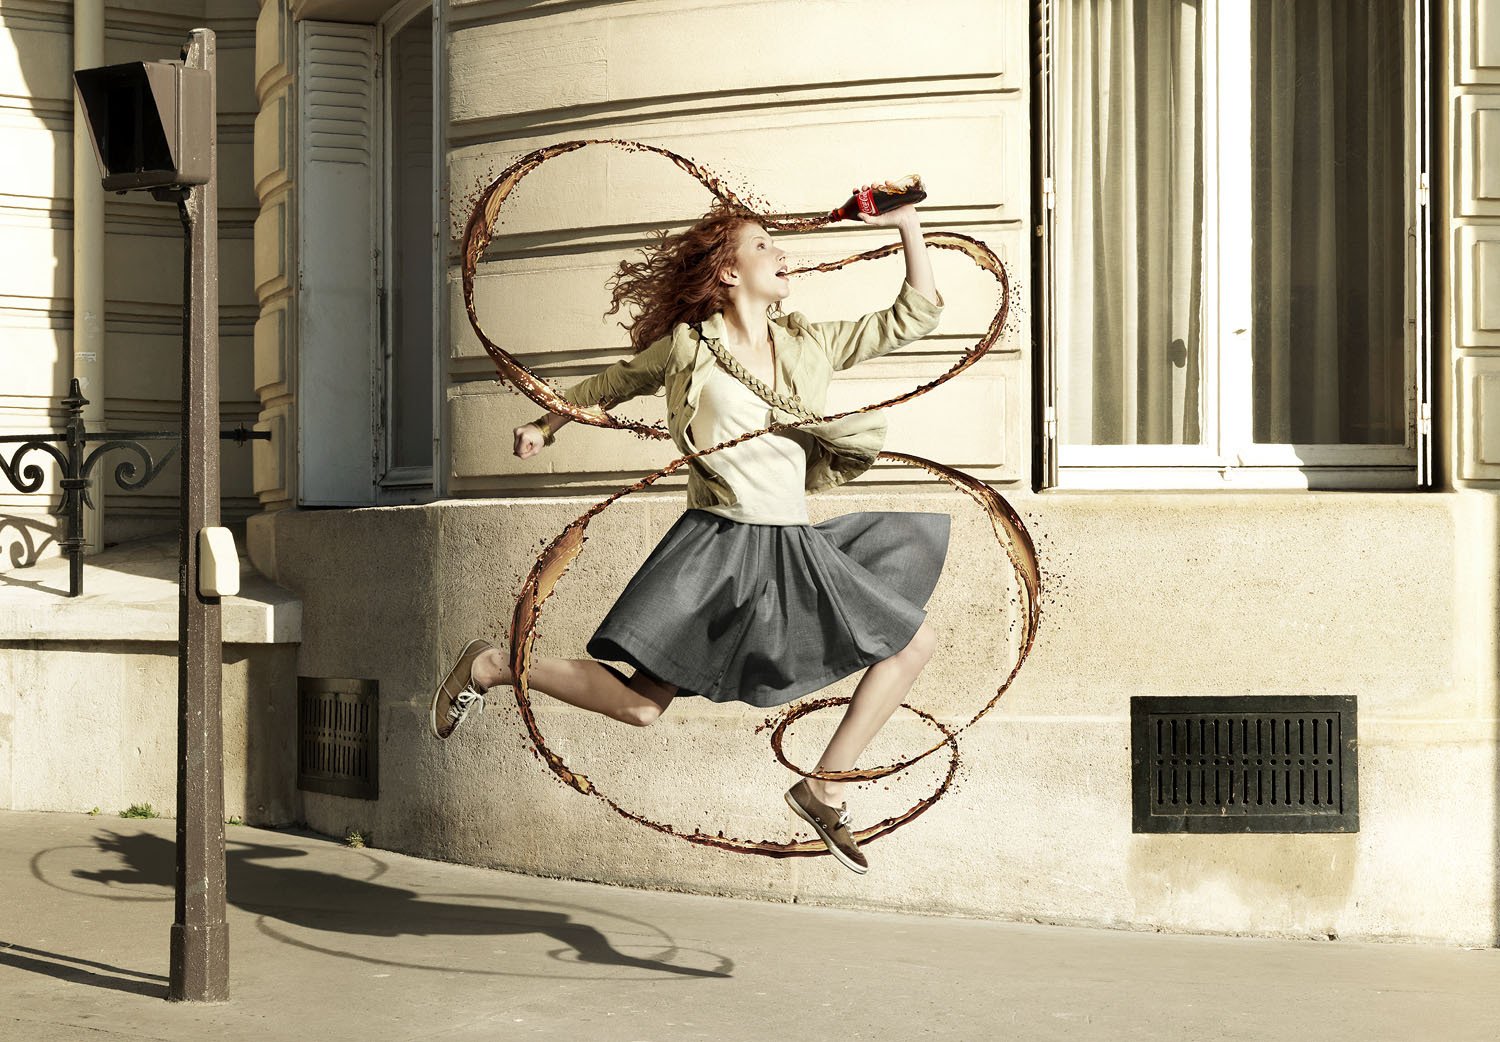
(200, 932)
(152, 125)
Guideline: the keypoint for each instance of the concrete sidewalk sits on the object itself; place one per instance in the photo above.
(330, 943)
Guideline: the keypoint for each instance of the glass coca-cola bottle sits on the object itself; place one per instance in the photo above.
(880, 198)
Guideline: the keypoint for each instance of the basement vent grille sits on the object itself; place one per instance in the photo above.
(338, 737)
(1244, 764)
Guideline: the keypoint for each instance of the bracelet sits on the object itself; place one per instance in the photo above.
(548, 437)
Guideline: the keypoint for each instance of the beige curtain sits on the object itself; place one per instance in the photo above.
(1329, 345)
(1129, 221)
(1326, 209)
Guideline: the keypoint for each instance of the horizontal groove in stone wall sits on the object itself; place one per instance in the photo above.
(937, 351)
(57, 316)
(146, 504)
(171, 30)
(164, 414)
(30, 14)
(626, 237)
(570, 289)
(498, 12)
(40, 211)
(18, 410)
(632, 50)
(133, 316)
(59, 319)
(576, 119)
(886, 137)
(590, 487)
(56, 113)
(238, 225)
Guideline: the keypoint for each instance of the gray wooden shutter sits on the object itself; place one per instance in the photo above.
(337, 308)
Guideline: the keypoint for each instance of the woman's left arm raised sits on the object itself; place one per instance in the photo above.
(914, 248)
(913, 315)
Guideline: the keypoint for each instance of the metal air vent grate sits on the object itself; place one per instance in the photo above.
(1244, 764)
(338, 737)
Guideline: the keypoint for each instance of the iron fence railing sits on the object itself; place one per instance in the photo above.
(80, 451)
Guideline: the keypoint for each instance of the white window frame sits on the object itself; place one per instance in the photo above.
(1228, 457)
(396, 485)
(343, 174)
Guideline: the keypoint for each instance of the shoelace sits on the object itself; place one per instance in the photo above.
(843, 817)
(466, 700)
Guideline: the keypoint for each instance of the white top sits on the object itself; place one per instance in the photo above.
(768, 474)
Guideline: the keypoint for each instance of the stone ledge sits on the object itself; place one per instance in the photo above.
(130, 593)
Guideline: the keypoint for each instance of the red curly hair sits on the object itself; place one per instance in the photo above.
(679, 279)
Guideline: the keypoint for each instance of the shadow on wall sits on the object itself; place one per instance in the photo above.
(264, 881)
(269, 734)
(41, 52)
(142, 240)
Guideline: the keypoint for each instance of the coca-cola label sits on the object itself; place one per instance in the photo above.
(865, 200)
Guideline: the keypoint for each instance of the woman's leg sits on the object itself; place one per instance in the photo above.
(880, 691)
(586, 684)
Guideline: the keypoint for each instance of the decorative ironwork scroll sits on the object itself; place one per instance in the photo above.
(76, 462)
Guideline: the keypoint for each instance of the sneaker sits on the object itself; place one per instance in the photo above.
(830, 823)
(457, 696)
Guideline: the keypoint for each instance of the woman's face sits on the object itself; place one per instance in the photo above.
(759, 267)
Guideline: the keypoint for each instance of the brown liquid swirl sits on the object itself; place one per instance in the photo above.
(554, 560)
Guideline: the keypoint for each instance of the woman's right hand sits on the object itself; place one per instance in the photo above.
(528, 440)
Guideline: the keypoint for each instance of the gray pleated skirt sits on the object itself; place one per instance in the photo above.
(763, 614)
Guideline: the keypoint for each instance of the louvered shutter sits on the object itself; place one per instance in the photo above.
(336, 270)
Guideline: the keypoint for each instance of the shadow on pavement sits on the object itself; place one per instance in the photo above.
(71, 968)
(261, 882)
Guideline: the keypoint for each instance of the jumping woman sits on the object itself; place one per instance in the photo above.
(744, 599)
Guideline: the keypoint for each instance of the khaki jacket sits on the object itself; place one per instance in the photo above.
(807, 353)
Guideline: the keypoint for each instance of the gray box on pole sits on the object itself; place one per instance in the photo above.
(151, 123)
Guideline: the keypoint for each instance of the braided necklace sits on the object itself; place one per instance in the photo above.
(786, 402)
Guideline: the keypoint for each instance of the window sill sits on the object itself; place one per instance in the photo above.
(1230, 479)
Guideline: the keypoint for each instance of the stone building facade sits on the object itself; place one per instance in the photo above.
(1201, 533)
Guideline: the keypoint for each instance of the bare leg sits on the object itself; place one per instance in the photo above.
(586, 684)
(880, 691)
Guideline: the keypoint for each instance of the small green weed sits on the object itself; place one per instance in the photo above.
(94, 813)
(236, 820)
(139, 810)
(354, 838)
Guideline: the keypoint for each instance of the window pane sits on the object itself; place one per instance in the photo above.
(1329, 344)
(410, 382)
(1129, 183)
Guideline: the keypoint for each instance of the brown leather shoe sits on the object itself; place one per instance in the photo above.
(458, 695)
(830, 823)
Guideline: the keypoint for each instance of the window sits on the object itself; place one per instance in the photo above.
(410, 269)
(368, 252)
(1236, 279)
